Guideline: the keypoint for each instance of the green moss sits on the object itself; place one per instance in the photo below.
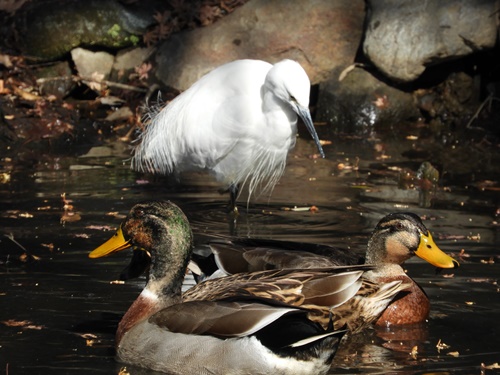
(135, 39)
(115, 31)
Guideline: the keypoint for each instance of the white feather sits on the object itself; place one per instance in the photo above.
(238, 121)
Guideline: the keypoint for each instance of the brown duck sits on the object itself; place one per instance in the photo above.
(395, 239)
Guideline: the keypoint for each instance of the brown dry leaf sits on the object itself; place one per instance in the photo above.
(481, 280)
(49, 246)
(463, 254)
(100, 227)
(4, 178)
(28, 257)
(123, 371)
(87, 336)
(489, 261)
(475, 238)
(26, 95)
(453, 354)
(25, 324)
(414, 352)
(381, 102)
(69, 217)
(91, 342)
(441, 346)
(493, 366)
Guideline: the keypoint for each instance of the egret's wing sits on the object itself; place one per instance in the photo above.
(191, 132)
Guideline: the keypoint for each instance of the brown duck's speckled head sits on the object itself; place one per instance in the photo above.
(399, 236)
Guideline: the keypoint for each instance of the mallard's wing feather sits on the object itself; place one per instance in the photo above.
(370, 301)
(249, 255)
(321, 287)
(219, 318)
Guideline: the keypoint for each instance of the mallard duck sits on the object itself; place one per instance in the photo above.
(395, 239)
(263, 322)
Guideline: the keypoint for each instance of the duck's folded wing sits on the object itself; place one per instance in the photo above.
(239, 256)
(219, 318)
(332, 290)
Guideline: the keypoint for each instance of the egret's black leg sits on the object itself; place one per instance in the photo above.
(233, 195)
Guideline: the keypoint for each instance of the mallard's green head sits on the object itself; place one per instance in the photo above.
(161, 229)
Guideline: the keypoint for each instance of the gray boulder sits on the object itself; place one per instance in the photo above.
(322, 35)
(403, 37)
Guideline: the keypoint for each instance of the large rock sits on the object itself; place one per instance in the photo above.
(323, 36)
(49, 29)
(88, 63)
(403, 37)
(357, 102)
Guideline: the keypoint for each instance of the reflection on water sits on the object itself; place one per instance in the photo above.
(59, 313)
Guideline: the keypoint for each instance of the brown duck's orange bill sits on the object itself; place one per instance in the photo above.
(428, 250)
(114, 244)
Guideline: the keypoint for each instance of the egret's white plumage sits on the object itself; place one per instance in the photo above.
(239, 121)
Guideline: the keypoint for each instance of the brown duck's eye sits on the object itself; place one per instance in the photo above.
(399, 226)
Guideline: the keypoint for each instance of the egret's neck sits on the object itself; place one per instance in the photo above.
(280, 121)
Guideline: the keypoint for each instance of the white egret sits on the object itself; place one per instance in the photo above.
(239, 121)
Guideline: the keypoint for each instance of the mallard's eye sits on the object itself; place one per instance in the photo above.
(399, 226)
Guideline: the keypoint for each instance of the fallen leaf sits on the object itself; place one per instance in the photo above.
(69, 217)
(490, 367)
(489, 261)
(441, 346)
(25, 324)
(414, 352)
(453, 354)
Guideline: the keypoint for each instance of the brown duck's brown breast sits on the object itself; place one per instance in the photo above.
(408, 307)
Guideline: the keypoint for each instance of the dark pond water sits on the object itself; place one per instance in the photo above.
(58, 314)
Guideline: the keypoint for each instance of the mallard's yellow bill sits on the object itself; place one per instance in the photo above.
(429, 251)
(114, 244)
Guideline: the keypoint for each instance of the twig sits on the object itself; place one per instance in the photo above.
(115, 84)
(10, 236)
(489, 100)
(122, 86)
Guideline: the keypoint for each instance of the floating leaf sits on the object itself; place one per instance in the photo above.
(441, 346)
(493, 366)
(25, 324)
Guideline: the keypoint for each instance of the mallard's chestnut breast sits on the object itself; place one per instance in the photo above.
(408, 307)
